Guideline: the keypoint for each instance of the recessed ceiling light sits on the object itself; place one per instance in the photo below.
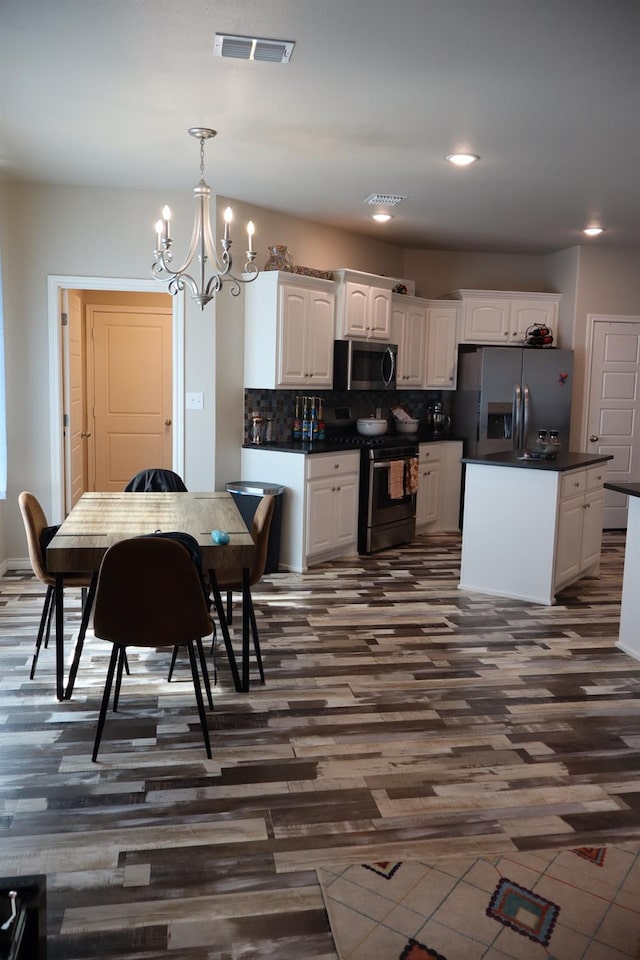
(593, 231)
(381, 217)
(462, 159)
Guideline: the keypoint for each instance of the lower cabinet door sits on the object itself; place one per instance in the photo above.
(592, 528)
(569, 543)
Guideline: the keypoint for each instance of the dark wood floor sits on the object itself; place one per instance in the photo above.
(401, 719)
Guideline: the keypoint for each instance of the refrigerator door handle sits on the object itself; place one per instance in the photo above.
(526, 394)
(517, 408)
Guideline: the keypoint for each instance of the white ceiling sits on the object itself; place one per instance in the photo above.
(101, 93)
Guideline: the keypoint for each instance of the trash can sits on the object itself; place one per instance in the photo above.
(247, 495)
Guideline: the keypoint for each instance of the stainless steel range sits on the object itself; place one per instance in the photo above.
(387, 500)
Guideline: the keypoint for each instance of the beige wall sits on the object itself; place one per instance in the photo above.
(440, 272)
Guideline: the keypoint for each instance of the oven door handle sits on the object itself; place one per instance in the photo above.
(382, 464)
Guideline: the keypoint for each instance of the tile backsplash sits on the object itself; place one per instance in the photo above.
(281, 405)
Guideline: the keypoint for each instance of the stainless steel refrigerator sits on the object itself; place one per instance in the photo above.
(506, 394)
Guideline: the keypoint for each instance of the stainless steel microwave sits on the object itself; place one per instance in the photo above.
(363, 365)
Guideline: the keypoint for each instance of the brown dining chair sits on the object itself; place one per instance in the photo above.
(149, 595)
(231, 580)
(38, 534)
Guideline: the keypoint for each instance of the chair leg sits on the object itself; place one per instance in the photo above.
(105, 702)
(116, 696)
(45, 624)
(84, 623)
(229, 607)
(214, 655)
(174, 657)
(126, 663)
(199, 700)
(205, 671)
(256, 639)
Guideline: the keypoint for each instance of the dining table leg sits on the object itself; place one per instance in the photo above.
(59, 603)
(224, 626)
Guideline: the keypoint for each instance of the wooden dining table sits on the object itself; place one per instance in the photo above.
(98, 520)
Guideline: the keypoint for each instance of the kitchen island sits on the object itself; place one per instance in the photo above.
(531, 527)
(629, 637)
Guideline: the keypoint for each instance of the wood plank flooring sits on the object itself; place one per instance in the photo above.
(401, 719)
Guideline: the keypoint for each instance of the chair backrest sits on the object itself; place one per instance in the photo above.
(260, 528)
(35, 522)
(156, 480)
(149, 594)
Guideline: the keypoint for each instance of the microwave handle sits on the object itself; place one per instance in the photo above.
(392, 357)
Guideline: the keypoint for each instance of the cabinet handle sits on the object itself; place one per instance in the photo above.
(576, 483)
(336, 466)
(338, 489)
(593, 438)
(587, 506)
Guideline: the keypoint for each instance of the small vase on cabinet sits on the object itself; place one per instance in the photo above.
(279, 258)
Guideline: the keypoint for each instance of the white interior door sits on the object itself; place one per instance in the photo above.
(130, 363)
(614, 407)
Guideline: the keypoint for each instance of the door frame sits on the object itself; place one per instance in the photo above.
(57, 359)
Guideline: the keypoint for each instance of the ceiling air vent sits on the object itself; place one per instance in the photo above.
(384, 199)
(252, 48)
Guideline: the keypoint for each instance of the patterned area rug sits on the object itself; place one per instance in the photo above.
(580, 904)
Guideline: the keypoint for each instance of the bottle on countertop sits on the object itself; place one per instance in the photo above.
(321, 423)
(305, 420)
(296, 430)
(313, 420)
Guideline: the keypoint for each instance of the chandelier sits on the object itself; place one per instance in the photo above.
(202, 246)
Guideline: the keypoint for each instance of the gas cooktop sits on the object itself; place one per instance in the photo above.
(358, 440)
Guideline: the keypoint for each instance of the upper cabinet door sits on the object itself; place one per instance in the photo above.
(293, 337)
(356, 309)
(321, 325)
(485, 321)
(442, 347)
(524, 313)
(379, 313)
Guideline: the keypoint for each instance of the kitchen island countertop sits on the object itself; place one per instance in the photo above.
(564, 461)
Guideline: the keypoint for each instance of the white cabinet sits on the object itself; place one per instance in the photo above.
(331, 518)
(426, 332)
(528, 532)
(289, 331)
(493, 316)
(409, 331)
(438, 497)
(580, 517)
(320, 505)
(363, 306)
(442, 346)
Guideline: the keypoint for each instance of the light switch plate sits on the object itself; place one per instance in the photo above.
(195, 401)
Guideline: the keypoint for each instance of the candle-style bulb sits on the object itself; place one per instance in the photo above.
(250, 232)
(166, 216)
(159, 231)
(228, 217)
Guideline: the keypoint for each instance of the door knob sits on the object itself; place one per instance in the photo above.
(593, 438)
(85, 434)
(167, 423)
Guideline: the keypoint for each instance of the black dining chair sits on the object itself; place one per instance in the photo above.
(149, 595)
(156, 480)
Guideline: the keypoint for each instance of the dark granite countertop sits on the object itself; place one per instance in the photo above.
(564, 461)
(630, 489)
(327, 446)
